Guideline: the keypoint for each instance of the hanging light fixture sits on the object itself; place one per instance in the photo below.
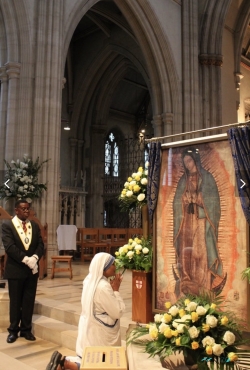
(66, 125)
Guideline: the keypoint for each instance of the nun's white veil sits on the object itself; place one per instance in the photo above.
(100, 262)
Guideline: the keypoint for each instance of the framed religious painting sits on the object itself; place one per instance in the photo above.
(201, 235)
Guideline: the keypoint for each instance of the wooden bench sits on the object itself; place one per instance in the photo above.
(94, 240)
(54, 269)
(88, 241)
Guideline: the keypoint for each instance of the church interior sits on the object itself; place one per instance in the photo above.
(85, 87)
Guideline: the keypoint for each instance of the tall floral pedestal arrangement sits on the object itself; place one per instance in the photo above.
(142, 296)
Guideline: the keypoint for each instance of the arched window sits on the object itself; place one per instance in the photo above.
(111, 156)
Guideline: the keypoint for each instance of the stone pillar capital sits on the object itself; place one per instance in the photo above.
(167, 118)
(3, 74)
(13, 69)
(237, 79)
(211, 60)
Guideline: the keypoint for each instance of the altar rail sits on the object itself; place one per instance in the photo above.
(93, 240)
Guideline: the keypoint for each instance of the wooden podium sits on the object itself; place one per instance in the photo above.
(142, 296)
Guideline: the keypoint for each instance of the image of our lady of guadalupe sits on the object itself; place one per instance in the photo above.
(196, 211)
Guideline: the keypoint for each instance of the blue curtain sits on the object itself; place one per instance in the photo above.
(153, 177)
(239, 139)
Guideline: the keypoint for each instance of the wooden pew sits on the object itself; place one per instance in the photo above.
(89, 243)
(93, 240)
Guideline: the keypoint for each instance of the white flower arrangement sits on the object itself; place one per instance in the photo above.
(197, 326)
(134, 192)
(22, 179)
(137, 254)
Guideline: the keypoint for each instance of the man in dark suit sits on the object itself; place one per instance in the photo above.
(24, 247)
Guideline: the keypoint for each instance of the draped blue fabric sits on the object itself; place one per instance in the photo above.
(239, 139)
(153, 177)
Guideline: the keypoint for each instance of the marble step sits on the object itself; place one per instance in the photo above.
(57, 310)
(25, 355)
(4, 302)
(56, 331)
(58, 322)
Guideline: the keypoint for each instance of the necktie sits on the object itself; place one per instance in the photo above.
(24, 227)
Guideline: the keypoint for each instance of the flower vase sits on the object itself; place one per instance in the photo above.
(142, 296)
(145, 221)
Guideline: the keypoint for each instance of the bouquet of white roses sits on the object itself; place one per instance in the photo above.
(198, 327)
(137, 254)
(21, 179)
(135, 190)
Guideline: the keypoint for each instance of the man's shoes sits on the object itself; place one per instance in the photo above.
(28, 336)
(11, 338)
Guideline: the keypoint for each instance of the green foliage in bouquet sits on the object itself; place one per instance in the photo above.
(134, 193)
(23, 179)
(137, 254)
(246, 274)
(196, 326)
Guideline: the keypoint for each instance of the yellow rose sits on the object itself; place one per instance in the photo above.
(138, 252)
(174, 333)
(195, 345)
(168, 304)
(130, 179)
(130, 240)
(137, 188)
(182, 312)
(187, 301)
(224, 320)
(168, 333)
(140, 169)
(178, 341)
(124, 191)
(154, 333)
(194, 316)
(117, 253)
(205, 327)
(209, 350)
(130, 187)
(137, 178)
(232, 356)
(213, 306)
(167, 317)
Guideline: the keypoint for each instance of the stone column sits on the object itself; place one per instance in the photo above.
(210, 66)
(157, 124)
(3, 114)
(13, 73)
(73, 144)
(79, 162)
(168, 124)
(95, 189)
(190, 71)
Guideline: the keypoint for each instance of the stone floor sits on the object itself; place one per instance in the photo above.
(55, 320)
